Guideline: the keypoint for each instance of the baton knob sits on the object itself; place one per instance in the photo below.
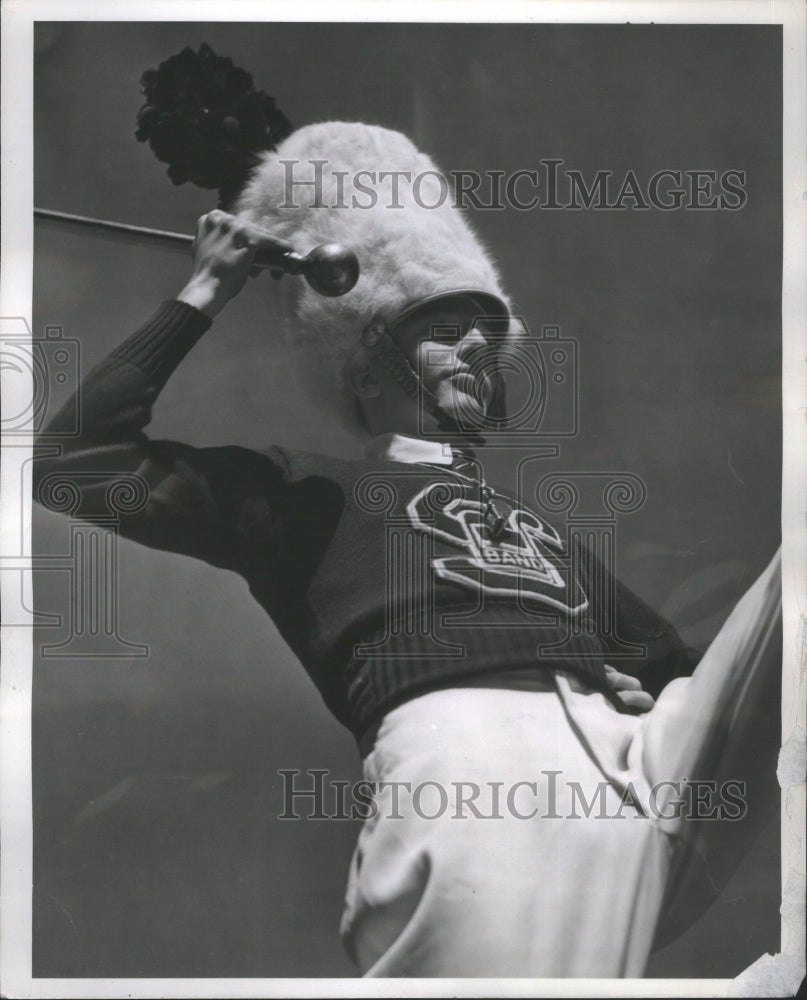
(329, 269)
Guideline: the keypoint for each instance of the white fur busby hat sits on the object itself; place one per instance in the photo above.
(371, 190)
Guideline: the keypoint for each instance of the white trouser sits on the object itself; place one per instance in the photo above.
(558, 865)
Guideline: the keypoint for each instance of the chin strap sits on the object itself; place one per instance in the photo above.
(376, 338)
(379, 340)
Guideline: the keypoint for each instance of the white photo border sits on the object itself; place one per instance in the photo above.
(772, 976)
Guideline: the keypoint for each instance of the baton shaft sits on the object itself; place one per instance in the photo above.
(284, 260)
(330, 269)
(177, 239)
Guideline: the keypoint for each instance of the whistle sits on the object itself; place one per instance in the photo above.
(330, 269)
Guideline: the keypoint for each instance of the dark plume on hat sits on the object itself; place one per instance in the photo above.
(204, 118)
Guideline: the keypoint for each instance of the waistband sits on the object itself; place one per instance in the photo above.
(524, 679)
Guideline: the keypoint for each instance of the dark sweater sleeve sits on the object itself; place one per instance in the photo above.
(623, 617)
(164, 494)
(666, 654)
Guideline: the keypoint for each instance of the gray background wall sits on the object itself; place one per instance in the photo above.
(157, 847)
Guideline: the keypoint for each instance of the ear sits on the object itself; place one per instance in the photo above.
(360, 376)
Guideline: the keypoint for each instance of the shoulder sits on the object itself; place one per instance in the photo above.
(299, 464)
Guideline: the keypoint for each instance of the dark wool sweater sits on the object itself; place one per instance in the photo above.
(386, 579)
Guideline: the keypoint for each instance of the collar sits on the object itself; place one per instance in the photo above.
(400, 448)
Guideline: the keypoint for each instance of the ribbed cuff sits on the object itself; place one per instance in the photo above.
(159, 346)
